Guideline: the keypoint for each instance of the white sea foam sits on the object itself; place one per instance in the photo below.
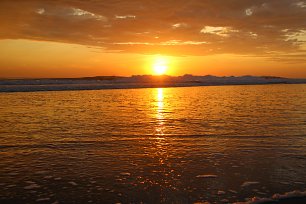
(249, 183)
(292, 194)
(220, 192)
(73, 183)
(32, 186)
(276, 197)
(125, 174)
(42, 199)
(232, 191)
(207, 176)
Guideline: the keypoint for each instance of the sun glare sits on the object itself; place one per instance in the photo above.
(160, 65)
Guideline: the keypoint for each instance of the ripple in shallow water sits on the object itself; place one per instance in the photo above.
(176, 145)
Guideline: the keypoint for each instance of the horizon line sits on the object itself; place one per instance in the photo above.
(143, 75)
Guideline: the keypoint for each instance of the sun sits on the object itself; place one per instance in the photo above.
(160, 65)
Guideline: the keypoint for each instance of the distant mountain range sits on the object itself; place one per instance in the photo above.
(136, 81)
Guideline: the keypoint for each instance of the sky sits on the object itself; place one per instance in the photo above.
(75, 38)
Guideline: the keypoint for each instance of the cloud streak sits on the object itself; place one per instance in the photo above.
(174, 27)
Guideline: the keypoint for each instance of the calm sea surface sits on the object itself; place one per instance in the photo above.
(167, 145)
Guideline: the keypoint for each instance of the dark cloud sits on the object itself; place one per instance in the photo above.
(177, 27)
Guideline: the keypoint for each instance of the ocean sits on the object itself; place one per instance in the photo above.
(216, 144)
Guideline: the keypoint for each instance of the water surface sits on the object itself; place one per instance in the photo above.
(166, 145)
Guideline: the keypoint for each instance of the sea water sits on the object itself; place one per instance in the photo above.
(217, 144)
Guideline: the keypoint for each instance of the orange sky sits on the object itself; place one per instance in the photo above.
(89, 38)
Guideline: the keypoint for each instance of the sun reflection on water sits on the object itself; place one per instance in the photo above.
(160, 113)
(165, 175)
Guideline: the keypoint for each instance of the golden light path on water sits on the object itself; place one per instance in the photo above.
(161, 144)
(160, 112)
